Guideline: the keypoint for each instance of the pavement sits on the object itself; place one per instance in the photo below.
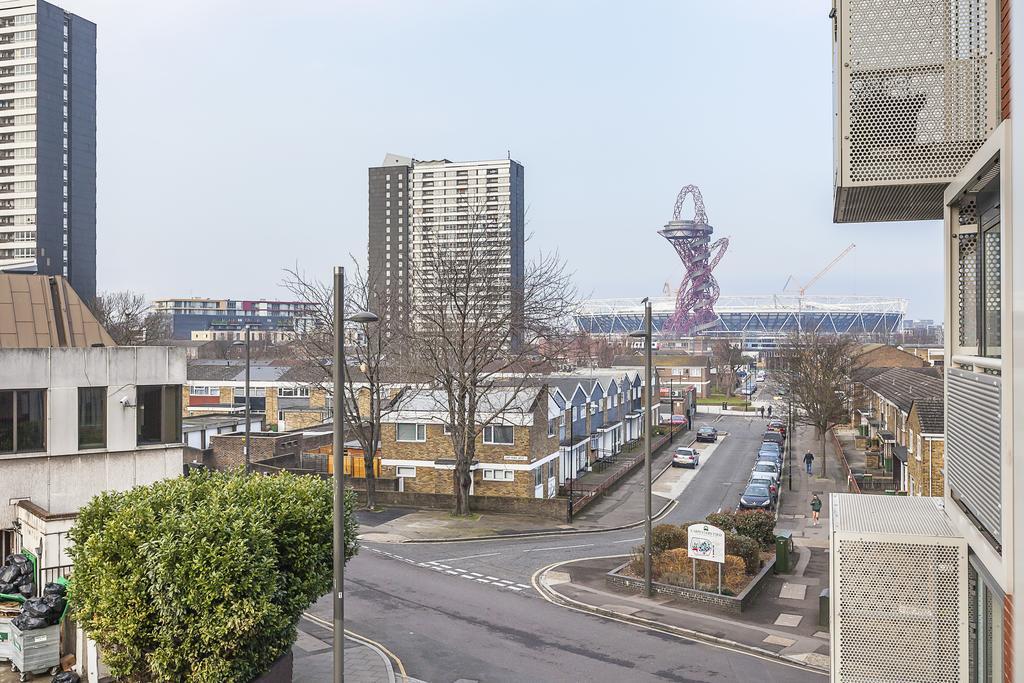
(365, 661)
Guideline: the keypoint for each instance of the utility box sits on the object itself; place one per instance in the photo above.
(784, 552)
(898, 591)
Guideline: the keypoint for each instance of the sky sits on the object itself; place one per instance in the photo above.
(234, 138)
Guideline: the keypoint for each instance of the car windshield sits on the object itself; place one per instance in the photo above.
(758, 481)
(764, 467)
(756, 491)
(684, 451)
(705, 428)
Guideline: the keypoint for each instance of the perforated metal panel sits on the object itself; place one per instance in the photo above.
(967, 284)
(916, 95)
(973, 436)
(899, 596)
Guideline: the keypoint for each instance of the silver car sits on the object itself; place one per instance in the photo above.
(686, 457)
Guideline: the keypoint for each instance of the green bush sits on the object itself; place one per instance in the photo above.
(758, 525)
(203, 578)
(745, 547)
(726, 521)
(667, 537)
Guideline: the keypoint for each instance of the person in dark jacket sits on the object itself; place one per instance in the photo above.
(815, 508)
(808, 459)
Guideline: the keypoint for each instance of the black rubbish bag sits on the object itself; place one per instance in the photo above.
(27, 589)
(66, 677)
(55, 605)
(19, 560)
(58, 589)
(24, 578)
(27, 623)
(8, 588)
(10, 573)
(35, 607)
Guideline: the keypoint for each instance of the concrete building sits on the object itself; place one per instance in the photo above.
(202, 319)
(924, 131)
(78, 415)
(48, 143)
(465, 208)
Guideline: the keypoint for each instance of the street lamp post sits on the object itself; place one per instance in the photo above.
(339, 467)
(646, 335)
(248, 420)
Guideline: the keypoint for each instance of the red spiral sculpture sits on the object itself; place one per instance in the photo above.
(698, 292)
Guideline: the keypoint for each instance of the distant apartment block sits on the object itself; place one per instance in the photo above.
(417, 208)
(48, 143)
(201, 319)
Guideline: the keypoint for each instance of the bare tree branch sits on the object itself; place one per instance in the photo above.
(129, 318)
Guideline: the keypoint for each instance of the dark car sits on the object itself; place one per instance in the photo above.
(761, 479)
(707, 433)
(773, 458)
(770, 446)
(774, 436)
(756, 497)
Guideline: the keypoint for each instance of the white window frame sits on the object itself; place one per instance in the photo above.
(421, 432)
(489, 435)
(404, 470)
(499, 475)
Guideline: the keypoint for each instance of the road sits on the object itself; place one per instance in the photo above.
(467, 611)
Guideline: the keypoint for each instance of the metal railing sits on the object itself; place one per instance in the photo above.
(844, 465)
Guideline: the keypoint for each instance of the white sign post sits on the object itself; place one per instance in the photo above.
(705, 542)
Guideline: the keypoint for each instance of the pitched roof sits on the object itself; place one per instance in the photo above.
(43, 311)
(902, 386)
(931, 414)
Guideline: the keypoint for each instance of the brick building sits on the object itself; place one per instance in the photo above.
(926, 444)
(516, 451)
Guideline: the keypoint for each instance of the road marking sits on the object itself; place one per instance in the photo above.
(467, 557)
(372, 644)
(494, 578)
(455, 571)
(630, 540)
(475, 574)
(558, 547)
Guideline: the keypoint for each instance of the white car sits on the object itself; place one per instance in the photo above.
(760, 377)
(766, 469)
(686, 457)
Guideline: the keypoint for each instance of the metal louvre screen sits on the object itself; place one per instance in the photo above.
(973, 424)
(899, 611)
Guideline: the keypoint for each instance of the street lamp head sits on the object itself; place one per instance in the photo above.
(363, 317)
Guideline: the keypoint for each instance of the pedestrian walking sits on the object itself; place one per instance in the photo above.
(808, 459)
(815, 508)
(762, 411)
(769, 412)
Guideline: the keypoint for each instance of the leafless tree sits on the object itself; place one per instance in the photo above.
(479, 337)
(129, 319)
(728, 358)
(815, 369)
(373, 356)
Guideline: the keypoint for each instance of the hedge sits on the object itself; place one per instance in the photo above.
(203, 578)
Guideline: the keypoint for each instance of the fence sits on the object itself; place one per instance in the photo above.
(851, 481)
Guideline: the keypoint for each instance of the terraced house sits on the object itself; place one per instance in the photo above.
(517, 449)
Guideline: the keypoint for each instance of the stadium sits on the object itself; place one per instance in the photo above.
(758, 320)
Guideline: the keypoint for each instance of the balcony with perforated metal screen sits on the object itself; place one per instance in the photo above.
(916, 94)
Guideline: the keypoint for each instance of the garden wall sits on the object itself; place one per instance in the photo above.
(723, 603)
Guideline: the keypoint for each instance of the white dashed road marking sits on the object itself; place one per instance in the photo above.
(440, 567)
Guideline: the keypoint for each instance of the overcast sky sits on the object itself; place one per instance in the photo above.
(234, 137)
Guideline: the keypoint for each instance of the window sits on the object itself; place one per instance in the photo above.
(446, 429)
(403, 471)
(409, 431)
(552, 426)
(92, 417)
(538, 476)
(498, 434)
(293, 392)
(158, 414)
(499, 475)
(22, 423)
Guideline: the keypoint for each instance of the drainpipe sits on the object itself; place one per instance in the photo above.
(930, 489)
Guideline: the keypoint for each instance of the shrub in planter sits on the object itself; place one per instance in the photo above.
(203, 578)
(666, 537)
(746, 548)
(758, 525)
(723, 520)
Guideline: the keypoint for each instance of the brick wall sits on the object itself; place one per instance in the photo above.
(888, 357)
(304, 419)
(551, 508)
(317, 398)
(270, 411)
(227, 395)
(919, 469)
(226, 450)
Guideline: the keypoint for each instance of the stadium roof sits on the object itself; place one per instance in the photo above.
(756, 303)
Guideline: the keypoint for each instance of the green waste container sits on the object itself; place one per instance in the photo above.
(783, 552)
(823, 599)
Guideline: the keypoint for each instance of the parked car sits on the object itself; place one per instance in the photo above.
(761, 479)
(767, 468)
(767, 450)
(686, 457)
(770, 446)
(774, 436)
(773, 458)
(761, 376)
(756, 497)
(777, 426)
(707, 433)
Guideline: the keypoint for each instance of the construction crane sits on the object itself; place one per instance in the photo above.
(821, 273)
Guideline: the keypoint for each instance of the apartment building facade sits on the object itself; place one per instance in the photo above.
(204, 319)
(48, 143)
(422, 213)
(924, 131)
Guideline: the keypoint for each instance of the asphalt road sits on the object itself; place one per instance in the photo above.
(467, 611)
